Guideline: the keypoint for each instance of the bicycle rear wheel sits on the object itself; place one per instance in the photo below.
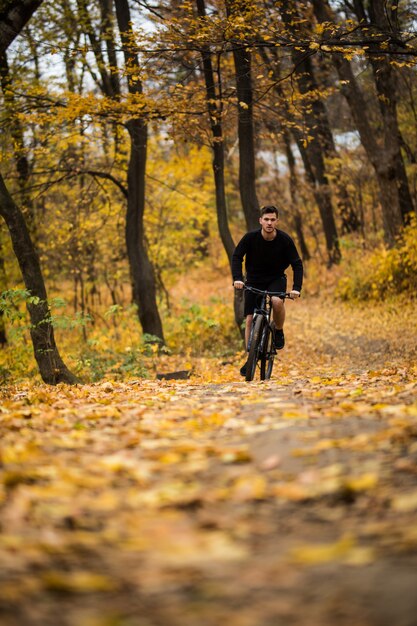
(268, 355)
(254, 355)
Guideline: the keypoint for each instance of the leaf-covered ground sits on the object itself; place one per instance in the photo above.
(212, 500)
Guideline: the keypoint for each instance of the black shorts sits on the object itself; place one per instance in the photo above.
(278, 284)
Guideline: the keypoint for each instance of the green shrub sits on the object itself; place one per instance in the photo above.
(94, 364)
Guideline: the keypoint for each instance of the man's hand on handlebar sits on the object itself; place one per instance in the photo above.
(294, 294)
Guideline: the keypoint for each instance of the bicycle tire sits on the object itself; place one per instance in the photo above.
(253, 355)
(267, 358)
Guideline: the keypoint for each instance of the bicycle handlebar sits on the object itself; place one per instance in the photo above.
(279, 294)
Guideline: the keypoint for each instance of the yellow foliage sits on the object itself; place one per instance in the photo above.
(77, 582)
(180, 217)
(344, 550)
(198, 328)
(383, 272)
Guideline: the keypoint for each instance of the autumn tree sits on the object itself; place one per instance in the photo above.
(317, 133)
(238, 13)
(143, 279)
(380, 137)
(101, 36)
(51, 366)
(215, 109)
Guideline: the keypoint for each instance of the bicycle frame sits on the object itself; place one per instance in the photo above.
(264, 309)
(261, 345)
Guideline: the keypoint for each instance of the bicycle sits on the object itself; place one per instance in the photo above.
(261, 346)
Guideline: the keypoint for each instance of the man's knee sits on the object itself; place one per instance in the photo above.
(278, 304)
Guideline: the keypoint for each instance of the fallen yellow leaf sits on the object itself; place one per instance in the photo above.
(312, 554)
(78, 581)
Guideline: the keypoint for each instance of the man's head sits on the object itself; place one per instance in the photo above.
(268, 221)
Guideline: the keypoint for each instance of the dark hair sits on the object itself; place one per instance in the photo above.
(269, 208)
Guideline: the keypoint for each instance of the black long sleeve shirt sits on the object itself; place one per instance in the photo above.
(266, 260)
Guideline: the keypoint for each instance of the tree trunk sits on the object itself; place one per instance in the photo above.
(214, 106)
(387, 90)
(107, 18)
(51, 366)
(298, 221)
(392, 159)
(141, 270)
(13, 17)
(387, 184)
(221, 209)
(313, 117)
(247, 171)
(84, 18)
(384, 151)
(17, 134)
(244, 92)
(312, 155)
(3, 283)
(318, 136)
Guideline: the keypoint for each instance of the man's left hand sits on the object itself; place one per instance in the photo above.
(294, 294)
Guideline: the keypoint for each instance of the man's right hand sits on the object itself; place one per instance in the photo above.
(238, 284)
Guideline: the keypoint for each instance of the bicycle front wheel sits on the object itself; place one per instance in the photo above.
(253, 357)
(267, 357)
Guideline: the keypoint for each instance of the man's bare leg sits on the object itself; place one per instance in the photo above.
(278, 313)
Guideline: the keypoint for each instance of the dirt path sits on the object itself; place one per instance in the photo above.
(216, 501)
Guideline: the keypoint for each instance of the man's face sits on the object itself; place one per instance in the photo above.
(268, 222)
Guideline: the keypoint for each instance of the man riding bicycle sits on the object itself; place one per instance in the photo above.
(268, 252)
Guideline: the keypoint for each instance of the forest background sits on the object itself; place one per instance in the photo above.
(138, 142)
